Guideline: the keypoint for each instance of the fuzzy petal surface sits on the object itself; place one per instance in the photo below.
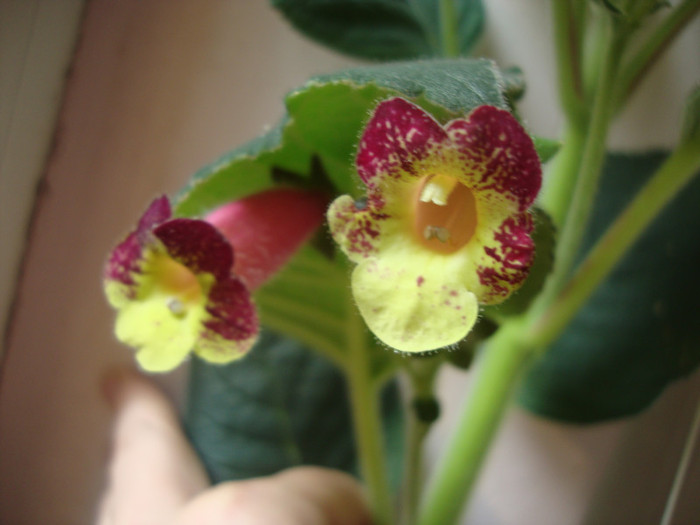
(355, 230)
(231, 327)
(499, 156)
(413, 307)
(398, 136)
(197, 245)
(444, 225)
(162, 340)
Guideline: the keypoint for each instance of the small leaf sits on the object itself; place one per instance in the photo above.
(638, 332)
(544, 237)
(279, 407)
(546, 148)
(514, 84)
(374, 29)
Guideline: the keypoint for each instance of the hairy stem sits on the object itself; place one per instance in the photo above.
(364, 397)
(497, 370)
(421, 373)
(561, 174)
(568, 55)
(592, 156)
(448, 29)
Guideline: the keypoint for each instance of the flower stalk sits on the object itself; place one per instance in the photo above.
(448, 29)
(675, 173)
(364, 398)
(568, 56)
(591, 162)
(421, 372)
(498, 368)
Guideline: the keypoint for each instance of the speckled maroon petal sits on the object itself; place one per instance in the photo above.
(124, 261)
(157, 213)
(493, 138)
(398, 134)
(197, 245)
(509, 260)
(233, 314)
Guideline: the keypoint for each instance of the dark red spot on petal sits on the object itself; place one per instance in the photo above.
(398, 134)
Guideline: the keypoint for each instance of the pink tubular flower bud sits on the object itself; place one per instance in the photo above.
(267, 228)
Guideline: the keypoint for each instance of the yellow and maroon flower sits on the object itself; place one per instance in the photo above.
(172, 280)
(444, 226)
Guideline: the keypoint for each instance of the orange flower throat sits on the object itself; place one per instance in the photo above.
(445, 217)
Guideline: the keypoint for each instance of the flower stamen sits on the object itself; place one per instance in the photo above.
(445, 217)
(436, 232)
(437, 189)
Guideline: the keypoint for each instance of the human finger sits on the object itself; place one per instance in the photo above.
(153, 470)
(298, 496)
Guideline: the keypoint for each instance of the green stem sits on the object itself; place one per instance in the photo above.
(448, 29)
(568, 55)
(364, 397)
(497, 370)
(421, 373)
(654, 46)
(677, 171)
(580, 15)
(592, 157)
(413, 473)
(561, 174)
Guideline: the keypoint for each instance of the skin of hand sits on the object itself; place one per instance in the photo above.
(155, 478)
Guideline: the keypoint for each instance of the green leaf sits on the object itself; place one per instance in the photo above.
(374, 29)
(279, 407)
(382, 29)
(311, 301)
(470, 16)
(638, 332)
(325, 118)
